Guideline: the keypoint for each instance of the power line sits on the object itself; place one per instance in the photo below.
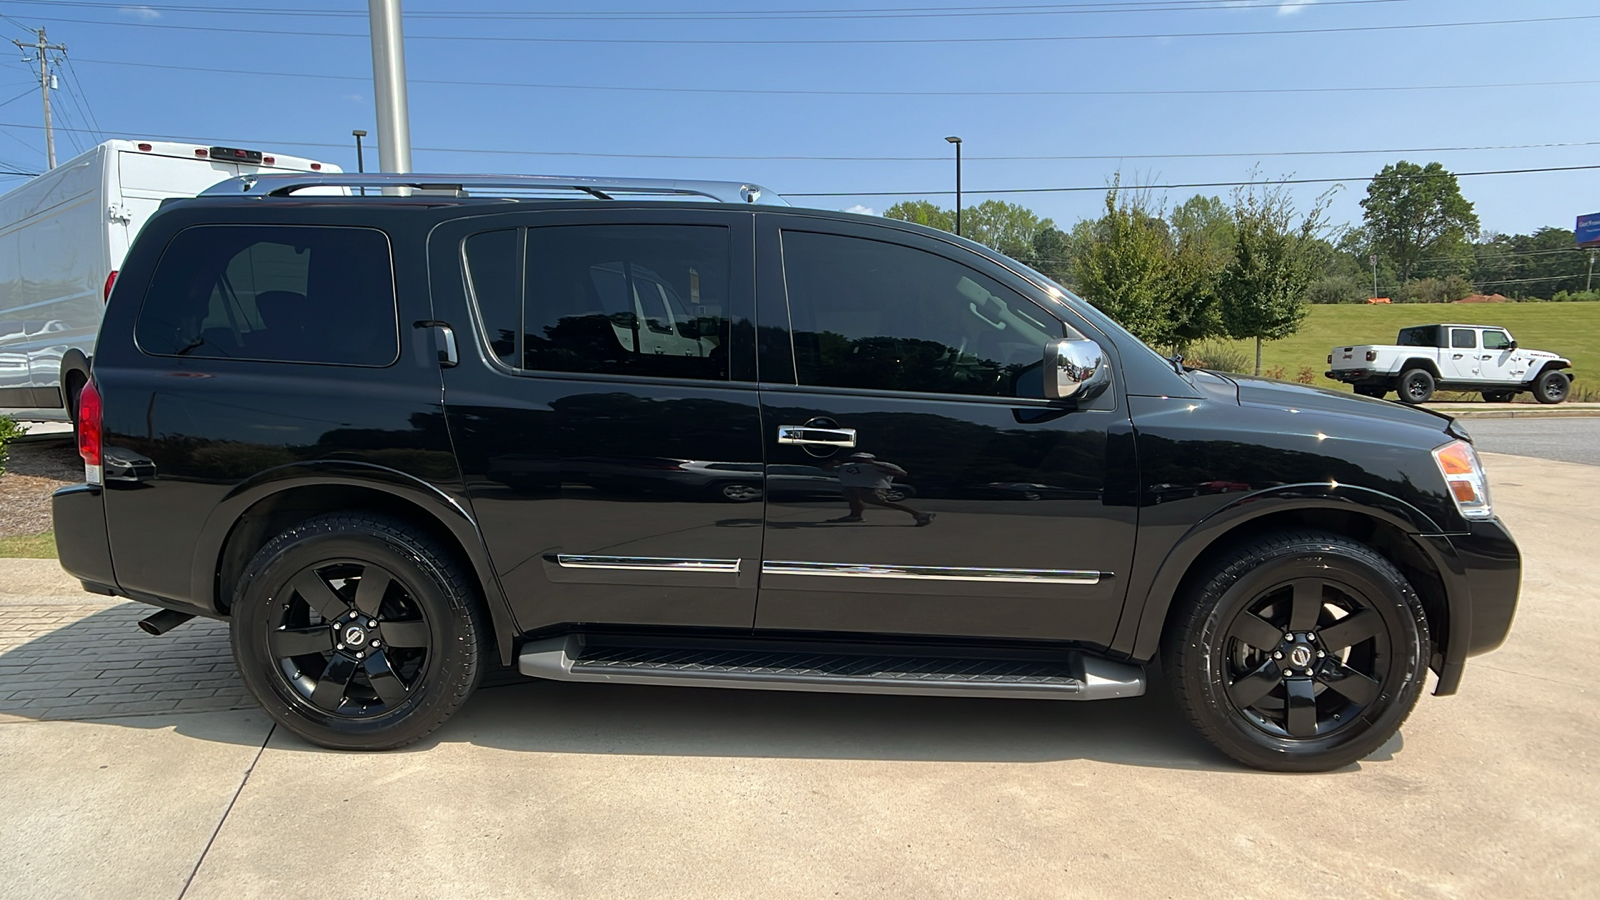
(908, 12)
(1014, 39)
(940, 159)
(863, 93)
(1195, 184)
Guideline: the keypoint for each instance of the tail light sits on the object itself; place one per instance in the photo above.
(1330, 359)
(316, 167)
(105, 293)
(90, 431)
(1372, 356)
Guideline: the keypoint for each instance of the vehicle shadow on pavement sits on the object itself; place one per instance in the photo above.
(99, 667)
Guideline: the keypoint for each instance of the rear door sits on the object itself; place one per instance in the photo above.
(605, 412)
(901, 379)
(1498, 361)
(1460, 360)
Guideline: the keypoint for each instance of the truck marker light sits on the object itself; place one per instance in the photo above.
(105, 292)
(145, 147)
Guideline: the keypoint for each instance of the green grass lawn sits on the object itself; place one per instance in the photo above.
(1570, 329)
(29, 546)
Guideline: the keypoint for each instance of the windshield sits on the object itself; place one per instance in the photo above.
(1124, 339)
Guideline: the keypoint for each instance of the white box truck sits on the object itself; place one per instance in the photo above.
(63, 236)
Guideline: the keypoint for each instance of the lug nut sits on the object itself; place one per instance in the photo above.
(352, 614)
(360, 655)
(376, 645)
(1320, 654)
(1278, 655)
(372, 623)
(1308, 671)
(338, 646)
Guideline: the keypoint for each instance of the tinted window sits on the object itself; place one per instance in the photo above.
(1463, 338)
(1495, 340)
(869, 314)
(1420, 336)
(273, 292)
(494, 271)
(646, 300)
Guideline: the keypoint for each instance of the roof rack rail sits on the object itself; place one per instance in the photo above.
(486, 186)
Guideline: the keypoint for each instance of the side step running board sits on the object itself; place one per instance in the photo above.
(1073, 675)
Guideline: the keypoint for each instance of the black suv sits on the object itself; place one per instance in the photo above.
(701, 438)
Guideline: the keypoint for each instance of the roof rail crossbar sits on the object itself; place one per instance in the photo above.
(486, 185)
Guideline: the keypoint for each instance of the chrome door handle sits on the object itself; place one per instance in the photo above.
(811, 436)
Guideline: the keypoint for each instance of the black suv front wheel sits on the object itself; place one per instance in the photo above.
(358, 632)
(1299, 652)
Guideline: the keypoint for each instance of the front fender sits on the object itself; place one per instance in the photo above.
(446, 510)
(1158, 571)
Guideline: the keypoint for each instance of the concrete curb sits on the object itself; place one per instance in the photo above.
(1514, 410)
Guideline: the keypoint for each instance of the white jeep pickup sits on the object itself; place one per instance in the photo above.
(1426, 358)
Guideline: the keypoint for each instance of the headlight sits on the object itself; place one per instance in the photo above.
(1464, 476)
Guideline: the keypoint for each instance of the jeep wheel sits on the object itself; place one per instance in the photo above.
(1498, 396)
(1299, 653)
(1552, 387)
(358, 632)
(1416, 386)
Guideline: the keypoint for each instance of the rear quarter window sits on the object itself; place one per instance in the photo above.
(276, 293)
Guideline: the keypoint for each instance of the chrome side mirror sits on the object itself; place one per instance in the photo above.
(1074, 369)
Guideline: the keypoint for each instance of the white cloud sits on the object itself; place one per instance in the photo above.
(140, 12)
(862, 210)
(1290, 7)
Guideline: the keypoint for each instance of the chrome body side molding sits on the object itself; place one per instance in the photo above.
(647, 563)
(934, 573)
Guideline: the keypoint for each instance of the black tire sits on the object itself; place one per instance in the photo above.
(1415, 386)
(1498, 396)
(423, 657)
(1366, 619)
(1552, 386)
(1375, 393)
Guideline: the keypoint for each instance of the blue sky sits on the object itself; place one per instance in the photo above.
(864, 57)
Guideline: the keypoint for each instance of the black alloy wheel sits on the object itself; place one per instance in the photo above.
(1552, 387)
(1305, 652)
(349, 637)
(1416, 386)
(358, 632)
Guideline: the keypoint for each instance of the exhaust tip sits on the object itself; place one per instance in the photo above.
(164, 621)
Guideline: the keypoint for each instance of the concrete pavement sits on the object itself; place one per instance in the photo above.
(553, 790)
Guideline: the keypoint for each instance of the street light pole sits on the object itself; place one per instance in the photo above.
(957, 141)
(361, 159)
(389, 86)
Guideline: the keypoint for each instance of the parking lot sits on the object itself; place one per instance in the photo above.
(137, 767)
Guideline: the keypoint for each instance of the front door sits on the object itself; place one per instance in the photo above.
(1498, 361)
(918, 482)
(605, 413)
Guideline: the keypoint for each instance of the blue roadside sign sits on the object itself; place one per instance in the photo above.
(1588, 230)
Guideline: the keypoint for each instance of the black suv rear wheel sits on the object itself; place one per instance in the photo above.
(358, 632)
(1300, 652)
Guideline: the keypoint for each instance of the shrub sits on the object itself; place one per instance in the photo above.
(9, 431)
(1220, 357)
(1434, 290)
(1307, 375)
(1338, 289)
(1276, 373)
(1575, 297)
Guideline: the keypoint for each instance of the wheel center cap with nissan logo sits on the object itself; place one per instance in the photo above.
(355, 635)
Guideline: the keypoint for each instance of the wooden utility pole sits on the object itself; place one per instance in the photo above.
(43, 47)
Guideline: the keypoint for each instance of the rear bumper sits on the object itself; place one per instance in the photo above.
(1358, 376)
(79, 514)
(1482, 573)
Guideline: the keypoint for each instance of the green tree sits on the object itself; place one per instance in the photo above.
(1417, 218)
(1007, 227)
(922, 212)
(1126, 269)
(1262, 291)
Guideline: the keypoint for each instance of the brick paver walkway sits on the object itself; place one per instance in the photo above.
(92, 661)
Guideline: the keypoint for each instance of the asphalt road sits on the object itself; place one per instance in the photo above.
(1568, 440)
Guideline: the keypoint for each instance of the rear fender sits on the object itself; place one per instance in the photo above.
(446, 511)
